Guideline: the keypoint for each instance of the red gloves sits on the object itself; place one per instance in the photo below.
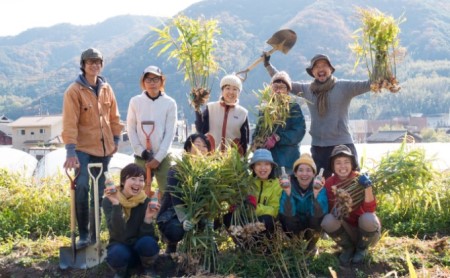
(271, 141)
(251, 200)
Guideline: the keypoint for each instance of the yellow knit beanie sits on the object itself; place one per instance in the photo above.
(305, 159)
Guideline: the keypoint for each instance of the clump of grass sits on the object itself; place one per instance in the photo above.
(32, 210)
(209, 185)
(273, 112)
(192, 43)
(377, 43)
(412, 195)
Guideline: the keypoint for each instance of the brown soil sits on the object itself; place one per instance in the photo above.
(20, 264)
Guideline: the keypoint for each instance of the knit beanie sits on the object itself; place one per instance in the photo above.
(232, 80)
(282, 76)
(305, 159)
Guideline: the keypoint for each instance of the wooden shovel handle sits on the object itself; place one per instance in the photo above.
(148, 184)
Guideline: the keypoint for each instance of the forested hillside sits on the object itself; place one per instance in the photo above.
(48, 61)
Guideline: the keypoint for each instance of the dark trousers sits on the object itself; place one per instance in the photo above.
(121, 255)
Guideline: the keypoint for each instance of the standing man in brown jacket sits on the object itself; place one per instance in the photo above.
(91, 132)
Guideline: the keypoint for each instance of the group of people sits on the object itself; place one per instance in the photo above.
(91, 133)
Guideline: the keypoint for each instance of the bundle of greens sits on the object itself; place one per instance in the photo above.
(377, 43)
(273, 111)
(209, 185)
(193, 42)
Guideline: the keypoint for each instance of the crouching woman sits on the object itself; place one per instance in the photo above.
(129, 217)
(303, 202)
(353, 226)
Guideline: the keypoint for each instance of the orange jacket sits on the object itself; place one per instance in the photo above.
(90, 122)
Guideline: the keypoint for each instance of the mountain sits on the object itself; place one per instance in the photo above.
(50, 56)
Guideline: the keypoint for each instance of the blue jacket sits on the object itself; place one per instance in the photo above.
(287, 150)
(302, 203)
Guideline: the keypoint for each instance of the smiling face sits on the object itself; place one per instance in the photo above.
(342, 166)
(262, 169)
(133, 186)
(304, 175)
(321, 70)
(92, 67)
(230, 94)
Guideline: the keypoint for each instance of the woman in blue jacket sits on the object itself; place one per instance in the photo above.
(303, 205)
(284, 142)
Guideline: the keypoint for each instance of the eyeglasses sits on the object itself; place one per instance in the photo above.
(152, 79)
(277, 87)
(92, 62)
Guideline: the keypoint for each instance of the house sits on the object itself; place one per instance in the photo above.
(393, 136)
(5, 131)
(29, 132)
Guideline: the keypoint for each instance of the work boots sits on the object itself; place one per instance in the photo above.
(342, 238)
(149, 266)
(171, 247)
(365, 239)
(82, 214)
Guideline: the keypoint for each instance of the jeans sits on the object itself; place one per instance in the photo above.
(121, 255)
(172, 230)
(83, 179)
(83, 187)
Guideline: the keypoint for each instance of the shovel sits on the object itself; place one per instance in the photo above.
(148, 146)
(91, 255)
(282, 40)
(70, 256)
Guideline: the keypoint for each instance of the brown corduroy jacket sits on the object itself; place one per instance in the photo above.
(91, 122)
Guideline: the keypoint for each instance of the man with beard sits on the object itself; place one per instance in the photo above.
(328, 100)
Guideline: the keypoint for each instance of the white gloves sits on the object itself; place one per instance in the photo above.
(187, 225)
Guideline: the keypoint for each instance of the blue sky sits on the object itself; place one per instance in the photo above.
(19, 15)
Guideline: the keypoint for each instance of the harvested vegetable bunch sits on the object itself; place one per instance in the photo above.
(194, 44)
(273, 112)
(377, 43)
(349, 195)
(209, 184)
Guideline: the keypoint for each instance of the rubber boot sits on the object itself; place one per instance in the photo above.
(171, 247)
(93, 240)
(365, 239)
(82, 214)
(121, 272)
(313, 238)
(149, 266)
(342, 238)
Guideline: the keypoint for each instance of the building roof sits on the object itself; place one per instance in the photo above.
(391, 136)
(36, 121)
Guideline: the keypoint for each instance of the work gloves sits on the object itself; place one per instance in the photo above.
(364, 180)
(187, 225)
(266, 57)
(147, 155)
(271, 141)
(251, 200)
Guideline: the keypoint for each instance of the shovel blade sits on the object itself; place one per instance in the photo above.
(69, 259)
(283, 40)
(95, 255)
(83, 258)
